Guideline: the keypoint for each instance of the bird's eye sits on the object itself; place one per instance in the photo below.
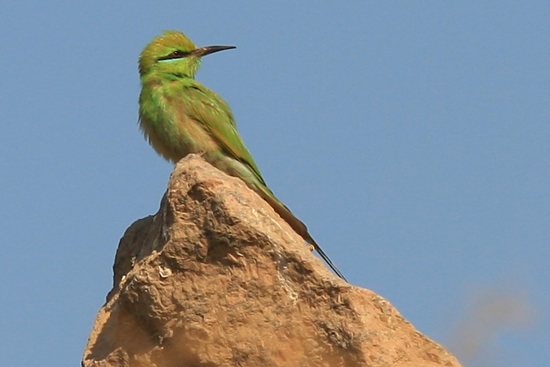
(174, 55)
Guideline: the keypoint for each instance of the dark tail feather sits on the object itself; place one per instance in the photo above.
(299, 228)
(324, 256)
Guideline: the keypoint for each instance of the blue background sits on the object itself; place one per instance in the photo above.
(411, 136)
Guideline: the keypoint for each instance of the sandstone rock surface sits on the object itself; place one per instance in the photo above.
(217, 278)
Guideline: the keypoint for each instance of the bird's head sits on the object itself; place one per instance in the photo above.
(173, 52)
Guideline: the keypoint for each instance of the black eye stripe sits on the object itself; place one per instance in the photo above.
(174, 55)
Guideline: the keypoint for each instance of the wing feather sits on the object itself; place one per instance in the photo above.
(209, 109)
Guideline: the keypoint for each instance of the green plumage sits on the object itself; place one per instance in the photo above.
(180, 116)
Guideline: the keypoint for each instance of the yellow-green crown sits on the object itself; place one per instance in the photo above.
(161, 46)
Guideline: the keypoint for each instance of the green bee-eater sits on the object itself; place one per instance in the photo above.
(179, 116)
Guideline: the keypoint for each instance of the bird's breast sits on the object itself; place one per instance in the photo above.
(171, 130)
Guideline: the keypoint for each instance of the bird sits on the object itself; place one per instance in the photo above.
(180, 116)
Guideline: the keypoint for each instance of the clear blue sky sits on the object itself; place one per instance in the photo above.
(411, 136)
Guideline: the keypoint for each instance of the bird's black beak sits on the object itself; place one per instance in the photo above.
(203, 51)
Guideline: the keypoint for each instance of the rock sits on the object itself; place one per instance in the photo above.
(217, 278)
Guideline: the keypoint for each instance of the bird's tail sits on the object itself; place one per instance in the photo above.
(297, 226)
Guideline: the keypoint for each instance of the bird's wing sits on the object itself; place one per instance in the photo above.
(209, 109)
(213, 112)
